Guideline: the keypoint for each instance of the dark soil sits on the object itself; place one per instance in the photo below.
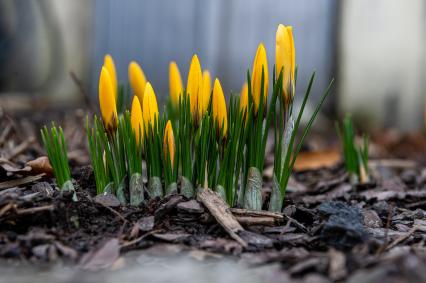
(333, 230)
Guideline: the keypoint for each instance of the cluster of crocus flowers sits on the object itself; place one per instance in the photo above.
(201, 140)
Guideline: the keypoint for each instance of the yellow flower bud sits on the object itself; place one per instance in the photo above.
(107, 100)
(219, 108)
(169, 142)
(244, 97)
(149, 106)
(204, 98)
(175, 84)
(194, 85)
(137, 79)
(136, 119)
(260, 61)
(109, 64)
(285, 60)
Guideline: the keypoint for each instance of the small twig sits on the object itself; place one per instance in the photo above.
(255, 213)
(403, 237)
(416, 204)
(21, 147)
(6, 208)
(394, 163)
(34, 209)
(82, 90)
(388, 223)
(137, 240)
(296, 223)
(249, 220)
(5, 133)
(114, 212)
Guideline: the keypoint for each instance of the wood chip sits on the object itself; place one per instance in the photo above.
(21, 181)
(249, 220)
(222, 213)
(255, 213)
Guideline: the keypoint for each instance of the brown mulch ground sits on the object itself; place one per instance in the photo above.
(331, 229)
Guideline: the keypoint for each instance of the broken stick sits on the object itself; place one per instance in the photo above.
(222, 213)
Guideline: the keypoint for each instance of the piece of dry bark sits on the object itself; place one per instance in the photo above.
(20, 182)
(255, 213)
(250, 220)
(222, 213)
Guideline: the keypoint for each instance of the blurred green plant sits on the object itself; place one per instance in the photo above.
(355, 155)
(56, 148)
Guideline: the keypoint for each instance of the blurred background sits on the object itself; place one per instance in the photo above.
(51, 51)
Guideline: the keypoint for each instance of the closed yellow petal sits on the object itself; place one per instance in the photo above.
(204, 98)
(149, 106)
(169, 142)
(285, 59)
(109, 64)
(280, 39)
(194, 84)
(260, 62)
(175, 84)
(107, 100)
(219, 108)
(136, 119)
(244, 97)
(293, 51)
(137, 79)
(293, 61)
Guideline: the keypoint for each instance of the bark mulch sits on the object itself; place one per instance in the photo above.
(329, 231)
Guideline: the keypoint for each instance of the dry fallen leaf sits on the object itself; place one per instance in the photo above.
(103, 257)
(312, 160)
(41, 165)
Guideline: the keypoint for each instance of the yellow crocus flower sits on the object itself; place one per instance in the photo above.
(194, 85)
(136, 119)
(109, 64)
(137, 79)
(244, 97)
(219, 108)
(204, 98)
(175, 84)
(169, 142)
(285, 60)
(149, 106)
(260, 61)
(107, 101)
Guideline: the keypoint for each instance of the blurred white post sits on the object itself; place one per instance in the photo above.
(74, 20)
(42, 42)
(382, 71)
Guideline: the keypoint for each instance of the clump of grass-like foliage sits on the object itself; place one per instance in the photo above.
(355, 155)
(56, 148)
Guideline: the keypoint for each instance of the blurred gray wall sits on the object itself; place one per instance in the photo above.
(376, 49)
(223, 33)
(382, 67)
